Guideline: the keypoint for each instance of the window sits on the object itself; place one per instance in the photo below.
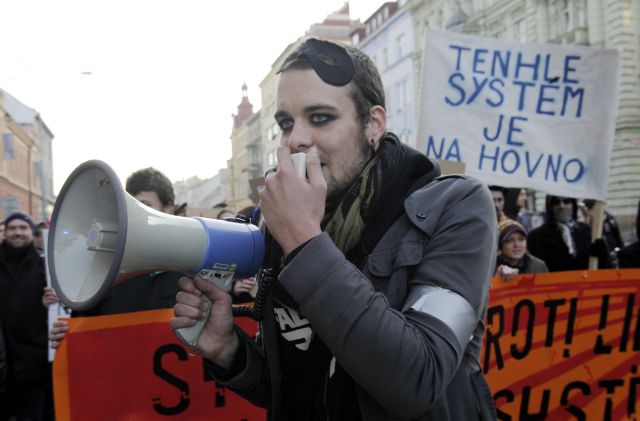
(566, 14)
(9, 150)
(402, 105)
(440, 20)
(9, 205)
(271, 159)
(582, 20)
(521, 30)
(37, 169)
(272, 132)
(385, 58)
(400, 46)
(390, 103)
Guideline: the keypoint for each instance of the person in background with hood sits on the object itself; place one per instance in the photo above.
(513, 257)
(561, 242)
(629, 256)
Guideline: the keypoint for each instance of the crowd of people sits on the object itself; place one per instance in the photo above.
(377, 306)
(557, 240)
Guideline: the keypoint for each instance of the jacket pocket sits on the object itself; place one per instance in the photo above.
(389, 269)
(382, 263)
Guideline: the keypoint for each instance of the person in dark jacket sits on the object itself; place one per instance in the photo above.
(499, 193)
(144, 292)
(629, 256)
(610, 228)
(561, 242)
(23, 322)
(611, 240)
(383, 268)
(513, 257)
(243, 290)
(4, 374)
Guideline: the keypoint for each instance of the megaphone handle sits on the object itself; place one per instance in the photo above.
(222, 279)
(189, 335)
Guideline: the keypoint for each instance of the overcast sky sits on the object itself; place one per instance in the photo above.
(140, 83)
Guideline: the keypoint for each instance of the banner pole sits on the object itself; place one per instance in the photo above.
(597, 215)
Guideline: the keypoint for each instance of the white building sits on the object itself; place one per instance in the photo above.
(388, 38)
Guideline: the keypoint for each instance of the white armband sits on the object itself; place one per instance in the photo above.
(447, 306)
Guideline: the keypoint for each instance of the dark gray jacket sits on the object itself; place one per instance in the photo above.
(408, 360)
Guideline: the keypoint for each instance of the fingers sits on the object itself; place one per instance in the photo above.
(250, 282)
(243, 288)
(314, 169)
(188, 285)
(180, 322)
(211, 290)
(58, 332)
(191, 305)
(58, 336)
(285, 163)
(187, 315)
(49, 297)
(60, 323)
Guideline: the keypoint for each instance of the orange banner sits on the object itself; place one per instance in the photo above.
(558, 346)
(131, 366)
(565, 345)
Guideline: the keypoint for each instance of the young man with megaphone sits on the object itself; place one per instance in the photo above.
(144, 292)
(383, 268)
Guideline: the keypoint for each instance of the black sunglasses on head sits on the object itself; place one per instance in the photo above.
(331, 62)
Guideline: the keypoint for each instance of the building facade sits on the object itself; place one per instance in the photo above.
(202, 195)
(245, 163)
(26, 167)
(387, 37)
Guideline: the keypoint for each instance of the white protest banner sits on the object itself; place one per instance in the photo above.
(540, 116)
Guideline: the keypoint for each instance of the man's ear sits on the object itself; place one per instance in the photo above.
(377, 126)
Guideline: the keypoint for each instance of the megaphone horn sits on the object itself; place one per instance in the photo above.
(100, 235)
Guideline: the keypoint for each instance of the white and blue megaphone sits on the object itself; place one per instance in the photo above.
(100, 236)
